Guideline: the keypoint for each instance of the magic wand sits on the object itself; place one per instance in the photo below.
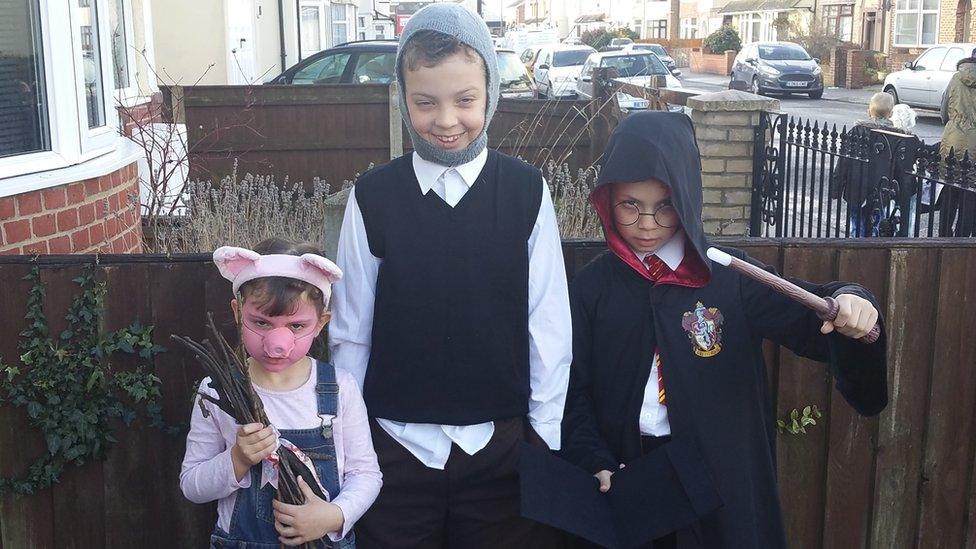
(825, 307)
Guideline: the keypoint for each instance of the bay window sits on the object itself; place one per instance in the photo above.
(60, 66)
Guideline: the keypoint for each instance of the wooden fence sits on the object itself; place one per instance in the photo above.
(333, 132)
(902, 479)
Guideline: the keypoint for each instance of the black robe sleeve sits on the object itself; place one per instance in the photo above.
(582, 443)
(860, 369)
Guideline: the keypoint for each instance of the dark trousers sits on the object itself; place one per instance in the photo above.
(472, 503)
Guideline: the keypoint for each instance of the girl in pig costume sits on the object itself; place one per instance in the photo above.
(282, 292)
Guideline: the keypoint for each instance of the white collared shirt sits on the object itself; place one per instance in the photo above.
(654, 415)
(550, 327)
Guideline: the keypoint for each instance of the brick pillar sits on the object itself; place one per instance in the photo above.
(725, 123)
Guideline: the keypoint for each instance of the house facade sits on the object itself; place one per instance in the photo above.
(68, 176)
(252, 41)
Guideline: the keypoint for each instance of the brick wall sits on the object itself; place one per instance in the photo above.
(711, 63)
(947, 21)
(96, 215)
(857, 60)
(897, 57)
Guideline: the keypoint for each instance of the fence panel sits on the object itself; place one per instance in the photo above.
(894, 481)
(333, 132)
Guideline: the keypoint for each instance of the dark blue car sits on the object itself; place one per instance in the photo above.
(778, 67)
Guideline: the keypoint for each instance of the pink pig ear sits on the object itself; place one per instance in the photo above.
(328, 268)
(231, 261)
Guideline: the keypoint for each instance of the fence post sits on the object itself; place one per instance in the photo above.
(396, 122)
(725, 124)
(604, 113)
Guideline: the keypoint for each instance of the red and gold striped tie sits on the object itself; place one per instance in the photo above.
(655, 267)
(660, 380)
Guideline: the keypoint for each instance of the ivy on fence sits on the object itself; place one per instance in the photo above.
(68, 387)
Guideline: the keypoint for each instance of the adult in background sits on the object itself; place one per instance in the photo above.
(851, 179)
(959, 206)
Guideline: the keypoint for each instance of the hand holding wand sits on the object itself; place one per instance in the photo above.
(825, 307)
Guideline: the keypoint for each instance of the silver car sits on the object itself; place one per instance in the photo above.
(923, 82)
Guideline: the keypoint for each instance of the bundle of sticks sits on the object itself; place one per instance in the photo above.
(227, 368)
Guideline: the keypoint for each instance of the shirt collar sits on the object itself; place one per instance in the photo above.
(428, 172)
(672, 253)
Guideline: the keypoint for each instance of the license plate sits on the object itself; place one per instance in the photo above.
(796, 84)
(641, 104)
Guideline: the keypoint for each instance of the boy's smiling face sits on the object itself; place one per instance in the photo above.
(646, 235)
(447, 102)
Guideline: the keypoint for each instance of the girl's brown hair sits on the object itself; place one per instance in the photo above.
(279, 295)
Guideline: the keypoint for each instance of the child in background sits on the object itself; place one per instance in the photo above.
(667, 348)
(454, 312)
(282, 291)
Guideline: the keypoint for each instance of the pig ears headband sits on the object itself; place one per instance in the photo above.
(240, 265)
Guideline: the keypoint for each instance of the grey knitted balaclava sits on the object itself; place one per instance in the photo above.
(469, 28)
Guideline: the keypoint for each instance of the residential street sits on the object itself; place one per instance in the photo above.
(838, 106)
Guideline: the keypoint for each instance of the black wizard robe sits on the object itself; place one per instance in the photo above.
(717, 393)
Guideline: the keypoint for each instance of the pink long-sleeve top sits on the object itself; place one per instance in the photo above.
(208, 473)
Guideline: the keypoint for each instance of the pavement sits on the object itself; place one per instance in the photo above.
(715, 82)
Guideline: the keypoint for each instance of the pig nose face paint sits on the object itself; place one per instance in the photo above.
(278, 342)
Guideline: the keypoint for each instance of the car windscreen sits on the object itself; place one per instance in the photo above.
(783, 53)
(653, 48)
(570, 58)
(635, 65)
(511, 72)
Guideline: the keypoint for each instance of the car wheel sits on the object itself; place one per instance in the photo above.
(890, 90)
(755, 86)
(816, 94)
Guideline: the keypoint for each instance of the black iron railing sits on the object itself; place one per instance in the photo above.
(815, 181)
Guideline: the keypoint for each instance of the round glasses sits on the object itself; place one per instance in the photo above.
(627, 213)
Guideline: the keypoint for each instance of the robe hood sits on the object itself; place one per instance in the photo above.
(654, 145)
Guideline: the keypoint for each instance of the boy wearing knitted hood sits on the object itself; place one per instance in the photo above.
(667, 353)
(454, 308)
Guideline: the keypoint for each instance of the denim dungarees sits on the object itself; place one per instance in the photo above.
(252, 523)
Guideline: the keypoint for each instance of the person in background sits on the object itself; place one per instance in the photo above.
(959, 206)
(850, 179)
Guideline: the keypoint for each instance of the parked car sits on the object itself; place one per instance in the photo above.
(660, 52)
(367, 62)
(557, 69)
(373, 62)
(780, 67)
(632, 67)
(513, 78)
(923, 82)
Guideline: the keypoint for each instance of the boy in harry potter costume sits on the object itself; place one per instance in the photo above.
(667, 348)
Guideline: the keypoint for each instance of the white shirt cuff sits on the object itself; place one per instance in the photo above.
(549, 431)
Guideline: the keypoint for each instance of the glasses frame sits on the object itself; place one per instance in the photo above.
(641, 213)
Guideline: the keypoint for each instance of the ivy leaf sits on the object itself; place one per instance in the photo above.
(806, 410)
(53, 443)
(34, 409)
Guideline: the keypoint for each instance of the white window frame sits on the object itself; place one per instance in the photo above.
(130, 94)
(71, 141)
(689, 27)
(100, 139)
(921, 13)
(345, 21)
(323, 8)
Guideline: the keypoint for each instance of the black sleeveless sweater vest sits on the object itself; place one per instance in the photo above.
(450, 339)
